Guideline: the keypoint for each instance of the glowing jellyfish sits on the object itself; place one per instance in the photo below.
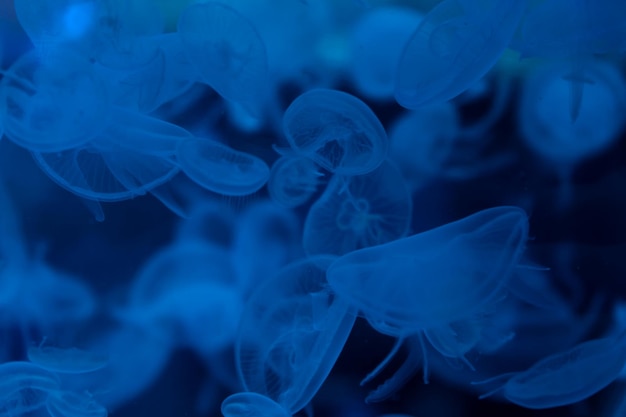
(221, 169)
(377, 42)
(566, 377)
(66, 361)
(291, 334)
(293, 180)
(335, 130)
(359, 211)
(411, 283)
(453, 47)
(251, 404)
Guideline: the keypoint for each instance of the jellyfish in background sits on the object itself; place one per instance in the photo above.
(456, 44)
(549, 129)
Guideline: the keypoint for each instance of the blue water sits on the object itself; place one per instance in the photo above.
(330, 208)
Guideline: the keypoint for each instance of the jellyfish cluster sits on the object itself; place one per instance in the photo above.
(334, 208)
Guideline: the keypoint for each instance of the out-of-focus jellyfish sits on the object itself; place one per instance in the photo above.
(359, 211)
(66, 360)
(267, 237)
(228, 52)
(566, 377)
(566, 135)
(212, 220)
(337, 131)
(248, 404)
(187, 292)
(377, 42)
(454, 46)
(221, 169)
(410, 283)
(293, 180)
(31, 92)
(291, 333)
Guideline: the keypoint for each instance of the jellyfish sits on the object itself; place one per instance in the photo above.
(453, 47)
(221, 169)
(251, 404)
(291, 334)
(549, 128)
(359, 211)
(565, 377)
(336, 131)
(293, 180)
(421, 288)
(66, 360)
(377, 41)
(25, 387)
(228, 52)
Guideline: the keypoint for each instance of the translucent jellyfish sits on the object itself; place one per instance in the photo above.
(293, 180)
(291, 334)
(212, 220)
(377, 42)
(454, 46)
(267, 238)
(74, 404)
(187, 292)
(227, 50)
(131, 157)
(411, 283)
(31, 92)
(221, 169)
(566, 135)
(359, 211)
(337, 131)
(251, 404)
(422, 141)
(566, 377)
(25, 387)
(66, 360)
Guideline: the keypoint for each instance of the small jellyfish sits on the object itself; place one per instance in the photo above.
(359, 211)
(377, 42)
(412, 283)
(292, 332)
(251, 404)
(453, 47)
(221, 169)
(66, 361)
(293, 180)
(336, 131)
(566, 377)
(228, 52)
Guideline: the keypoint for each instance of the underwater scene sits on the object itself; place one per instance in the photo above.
(312, 208)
